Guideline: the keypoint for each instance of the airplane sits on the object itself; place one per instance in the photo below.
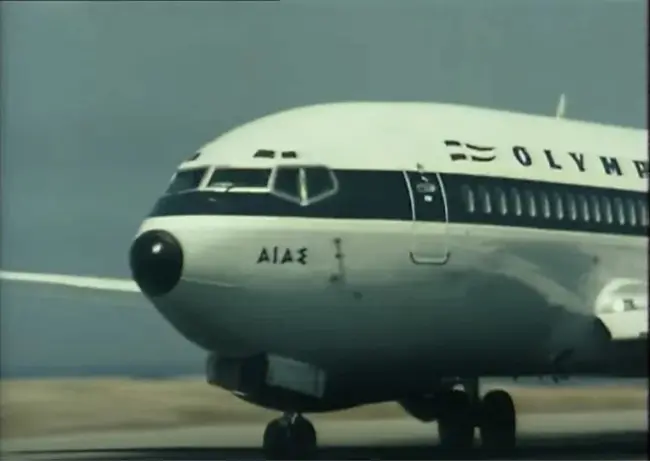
(350, 253)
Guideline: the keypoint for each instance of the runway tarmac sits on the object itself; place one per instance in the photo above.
(611, 435)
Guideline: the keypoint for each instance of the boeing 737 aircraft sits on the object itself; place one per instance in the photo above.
(350, 253)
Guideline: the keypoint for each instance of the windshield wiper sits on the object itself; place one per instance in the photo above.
(226, 185)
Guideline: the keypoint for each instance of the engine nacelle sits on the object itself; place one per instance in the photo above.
(237, 374)
(274, 383)
(610, 344)
(577, 344)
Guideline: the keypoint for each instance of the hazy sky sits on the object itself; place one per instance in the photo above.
(101, 100)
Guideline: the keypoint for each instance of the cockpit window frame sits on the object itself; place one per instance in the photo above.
(206, 174)
(303, 168)
(237, 189)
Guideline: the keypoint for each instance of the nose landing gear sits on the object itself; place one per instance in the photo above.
(290, 437)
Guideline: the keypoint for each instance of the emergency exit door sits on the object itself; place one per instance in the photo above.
(430, 244)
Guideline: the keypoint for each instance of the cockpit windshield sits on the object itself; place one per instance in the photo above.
(304, 185)
(300, 184)
(239, 178)
(185, 180)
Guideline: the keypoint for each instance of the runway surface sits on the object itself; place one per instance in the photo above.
(612, 435)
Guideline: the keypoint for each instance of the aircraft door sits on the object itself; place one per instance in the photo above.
(429, 244)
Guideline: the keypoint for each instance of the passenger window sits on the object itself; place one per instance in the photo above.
(584, 208)
(485, 199)
(620, 212)
(546, 205)
(468, 196)
(236, 178)
(559, 206)
(631, 212)
(304, 185)
(185, 180)
(516, 201)
(532, 206)
(571, 207)
(595, 207)
(642, 212)
(503, 202)
(607, 209)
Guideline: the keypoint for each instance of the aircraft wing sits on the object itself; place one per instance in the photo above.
(72, 281)
(90, 290)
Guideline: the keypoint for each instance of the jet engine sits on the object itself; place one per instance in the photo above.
(274, 383)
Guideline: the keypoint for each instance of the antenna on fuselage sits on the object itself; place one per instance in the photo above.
(561, 106)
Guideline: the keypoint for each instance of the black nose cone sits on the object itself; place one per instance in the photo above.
(156, 260)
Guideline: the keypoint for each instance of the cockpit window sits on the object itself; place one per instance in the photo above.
(303, 185)
(286, 184)
(339, 194)
(185, 180)
(239, 178)
(320, 182)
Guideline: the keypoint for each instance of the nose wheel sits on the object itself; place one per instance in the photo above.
(290, 437)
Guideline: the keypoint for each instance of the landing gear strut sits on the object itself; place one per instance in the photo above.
(463, 410)
(290, 437)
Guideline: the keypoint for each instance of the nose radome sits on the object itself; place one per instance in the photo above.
(156, 260)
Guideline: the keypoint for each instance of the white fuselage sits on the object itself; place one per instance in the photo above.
(450, 295)
(493, 303)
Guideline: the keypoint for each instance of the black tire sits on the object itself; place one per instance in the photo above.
(498, 422)
(304, 439)
(277, 441)
(456, 421)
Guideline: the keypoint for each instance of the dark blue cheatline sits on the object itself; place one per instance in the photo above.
(476, 200)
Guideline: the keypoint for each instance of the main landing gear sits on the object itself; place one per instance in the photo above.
(292, 436)
(463, 410)
(289, 437)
